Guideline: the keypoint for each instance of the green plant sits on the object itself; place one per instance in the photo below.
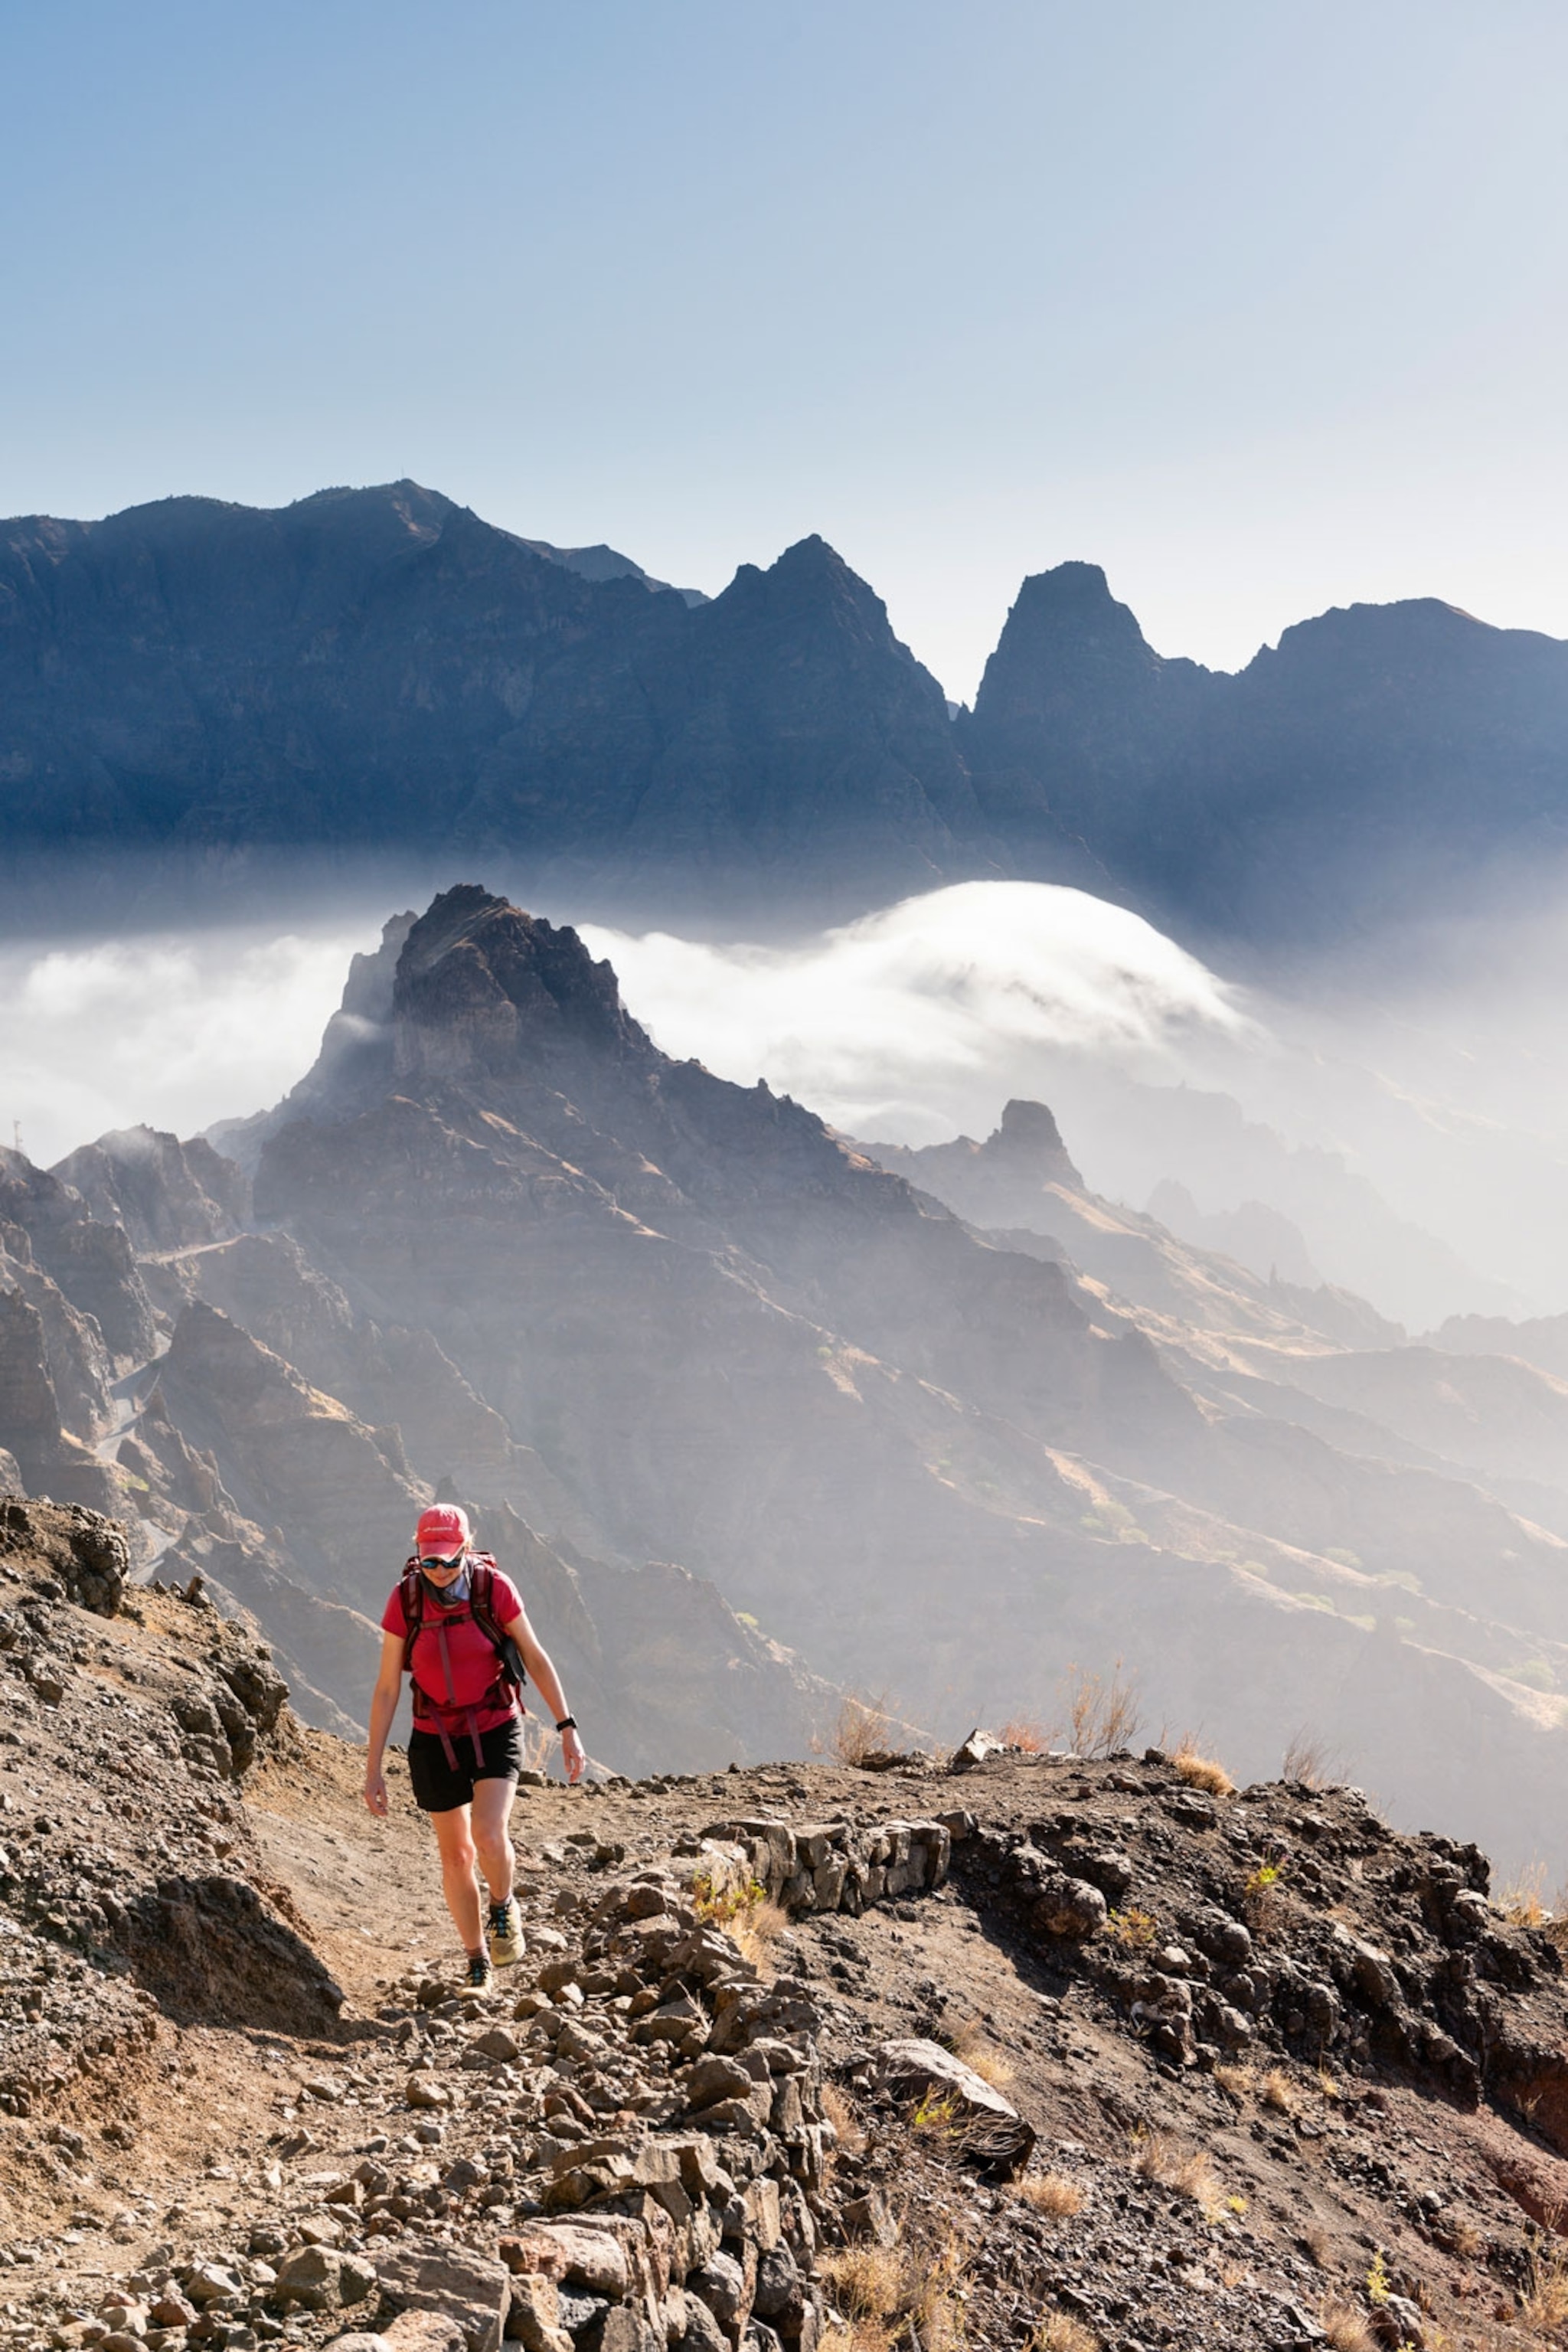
(1137, 1929)
(718, 1907)
(1378, 2289)
(937, 2115)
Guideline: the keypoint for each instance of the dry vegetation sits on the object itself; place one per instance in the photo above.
(1187, 2171)
(1545, 2306)
(1051, 2193)
(1060, 2333)
(1103, 1714)
(841, 2116)
(901, 2294)
(967, 2040)
(1280, 2091)
(862, 1727)
(1346, 2328)
(758, 1929)
(1028, 1736)
(1307, 1761)
(1203, 1772)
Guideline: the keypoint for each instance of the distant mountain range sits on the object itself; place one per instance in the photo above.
(380, 675)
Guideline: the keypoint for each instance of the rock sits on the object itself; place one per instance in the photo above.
(426, 2090)
(974, 1750)
(210, 2283)
(1069, 1908)
(500, 2044)
(712, 2079)
(423, 2331)
(870, 2217)
(720, 2284)
(356, 2340)
(464, 2286)
(594, 2260)
(703, 2332)
(312, 2276)
(169, 2311)
(535, 2315)
(992, 2133)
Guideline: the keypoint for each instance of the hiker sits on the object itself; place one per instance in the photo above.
(458, 1627)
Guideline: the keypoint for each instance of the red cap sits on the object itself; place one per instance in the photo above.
(442, 1532)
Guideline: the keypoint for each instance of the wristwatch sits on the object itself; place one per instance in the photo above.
(567, 1723)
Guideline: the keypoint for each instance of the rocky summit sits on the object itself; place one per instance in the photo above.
(1092, 2052)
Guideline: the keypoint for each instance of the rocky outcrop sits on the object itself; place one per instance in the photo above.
(162, 1193)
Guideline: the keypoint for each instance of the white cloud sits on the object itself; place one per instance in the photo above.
(911, 1020)
(174, 1031)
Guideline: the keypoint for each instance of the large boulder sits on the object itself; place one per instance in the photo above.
(989, 2129)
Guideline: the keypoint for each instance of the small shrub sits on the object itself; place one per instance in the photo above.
(1278, 2092)
(1377, 2286)
(1137, 1929)
(1263, 1901)
(937, 2116)
(1345, 2328)
(1051, 2193)
(1307, 1761)
(718, 1907)
(1028, 1736)
(967, 2040)
(1236, 2082)
(1523, 1902)
(1203, 1772)
(836, 2106)
(1061, 2333)
(1103, 1714)
(862, 1727)
(867, 2282)
(1186, 2171)
(1544, 2303)
(1459, 2237)
(758, 1929)
(1318, 2244)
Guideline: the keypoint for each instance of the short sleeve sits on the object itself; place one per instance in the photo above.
(505, 1599)
(392, 1618)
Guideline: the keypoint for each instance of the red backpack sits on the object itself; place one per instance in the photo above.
(510, 1675)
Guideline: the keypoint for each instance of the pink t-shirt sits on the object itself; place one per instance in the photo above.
(471, 1656)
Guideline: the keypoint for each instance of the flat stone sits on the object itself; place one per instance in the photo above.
(992, 2133)
(424, 2331)
(715, 2078)
(535, 2315)
(500, 2044)
(594, 2260)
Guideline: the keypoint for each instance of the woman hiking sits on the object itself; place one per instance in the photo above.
(451, 1624)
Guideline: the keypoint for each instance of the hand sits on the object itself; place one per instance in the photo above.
(574, 1756)
(375, 1793)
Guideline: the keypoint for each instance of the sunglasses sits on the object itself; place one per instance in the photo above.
(440, 1566)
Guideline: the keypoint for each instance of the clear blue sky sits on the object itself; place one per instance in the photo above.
(1259, 305)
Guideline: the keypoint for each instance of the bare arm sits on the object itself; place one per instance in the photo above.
(383, 1707)
(541, 1674)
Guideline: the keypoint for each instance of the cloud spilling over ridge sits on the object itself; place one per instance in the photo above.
(908, 1022)
(172, 1032)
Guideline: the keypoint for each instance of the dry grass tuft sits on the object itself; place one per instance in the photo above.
(1458, 2236)
(1280, 2091)
(1318, 2244)
(1026, 1734)
(1103, 1715)
(1346, 2327)
(1050, 2193)
(1544, 2304)
(901, 2294)
(1061, 2333)
(868, 2282)
(836, 2106)
(967, 2040)
(1187, 2171)
(1238, 2082)
(1307, 1761)
(757, 1929)
(1203, 1772)
(862, 1727)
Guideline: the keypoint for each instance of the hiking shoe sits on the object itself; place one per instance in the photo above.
(504, 1929)
(477, 1975)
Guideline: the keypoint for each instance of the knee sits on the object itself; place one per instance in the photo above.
(492, 1842)
(459, 1857)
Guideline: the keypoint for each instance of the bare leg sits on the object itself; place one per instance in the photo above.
(454, 1835)
(492, 1809)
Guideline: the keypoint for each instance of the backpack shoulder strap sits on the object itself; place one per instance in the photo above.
(411, 1592)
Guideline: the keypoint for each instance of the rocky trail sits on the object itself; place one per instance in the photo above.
(1010, 2049)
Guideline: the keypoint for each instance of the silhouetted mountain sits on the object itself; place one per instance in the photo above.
(1368, 765)
(379, 673)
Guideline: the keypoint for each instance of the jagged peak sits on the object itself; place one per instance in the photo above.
(484, 989)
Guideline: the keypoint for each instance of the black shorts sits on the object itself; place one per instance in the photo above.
(441, 1787)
